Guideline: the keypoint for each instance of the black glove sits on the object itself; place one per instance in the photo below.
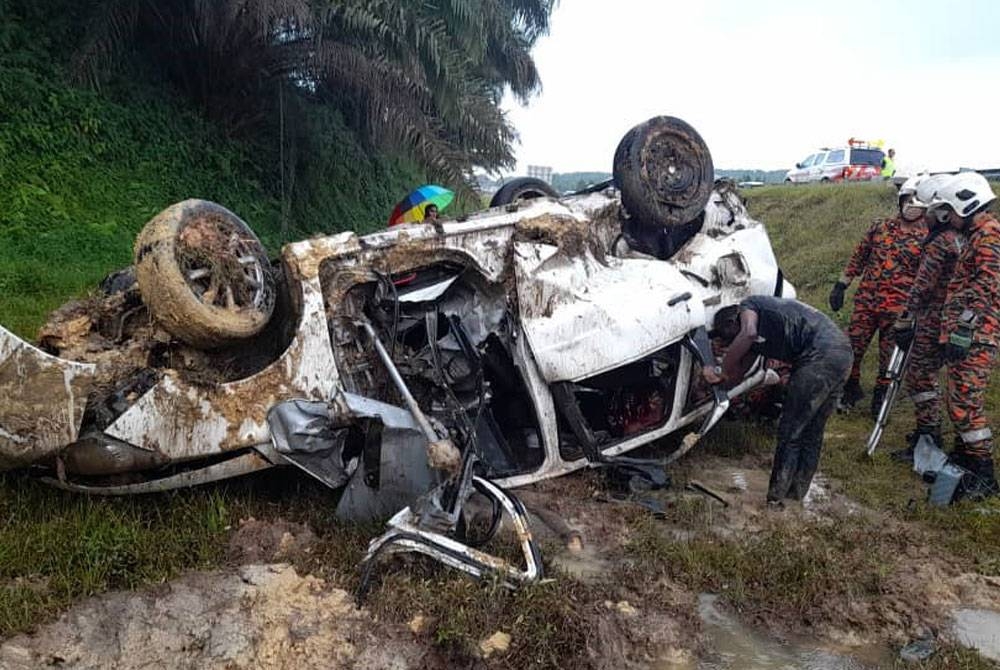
(837, 296)
(959, 342)
(903, 330)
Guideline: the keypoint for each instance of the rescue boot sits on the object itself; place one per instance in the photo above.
(852, 394)
(980, 480)
(906, 455)
(878, 395)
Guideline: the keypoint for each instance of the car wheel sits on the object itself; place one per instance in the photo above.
(664, 171)
(522, 188)
(204, 275)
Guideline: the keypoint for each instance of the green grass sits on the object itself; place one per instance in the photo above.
(56, 548)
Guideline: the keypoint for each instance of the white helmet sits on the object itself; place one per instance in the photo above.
(928, 187)
(909, 186)
(909, 190)
(966, 193)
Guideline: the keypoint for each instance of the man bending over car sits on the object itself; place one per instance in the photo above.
(820, 356)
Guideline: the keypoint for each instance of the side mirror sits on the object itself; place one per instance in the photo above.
(798, 166)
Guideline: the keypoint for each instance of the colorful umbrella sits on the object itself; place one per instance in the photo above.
(411, 208)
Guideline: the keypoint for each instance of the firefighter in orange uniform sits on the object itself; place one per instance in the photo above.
(886, 260)
(970, 328)
(921, 323)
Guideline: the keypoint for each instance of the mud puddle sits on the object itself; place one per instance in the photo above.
(978, 629)
(733, 646)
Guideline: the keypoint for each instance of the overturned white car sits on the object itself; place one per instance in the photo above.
(524, 342)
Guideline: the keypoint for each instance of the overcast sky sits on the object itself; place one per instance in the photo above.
(767, 82)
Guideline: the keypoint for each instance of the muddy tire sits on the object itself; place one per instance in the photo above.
(522, 188)
(664, 171)
(204, 275)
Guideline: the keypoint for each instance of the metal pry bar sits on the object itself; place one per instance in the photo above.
(895, 373)
(442, 452)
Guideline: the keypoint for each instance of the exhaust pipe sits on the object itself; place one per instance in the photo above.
(98, 454)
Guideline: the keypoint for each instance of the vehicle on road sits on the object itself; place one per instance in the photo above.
(855, 161)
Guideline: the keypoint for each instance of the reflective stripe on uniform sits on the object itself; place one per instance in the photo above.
(978, 435)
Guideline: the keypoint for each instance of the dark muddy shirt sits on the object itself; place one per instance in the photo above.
(787, 330)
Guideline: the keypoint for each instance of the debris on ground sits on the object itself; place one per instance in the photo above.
(420, 624)
(497, 643)
(623, 607)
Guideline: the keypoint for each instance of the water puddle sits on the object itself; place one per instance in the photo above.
(979, 629)
(585, 564)
(734, 646)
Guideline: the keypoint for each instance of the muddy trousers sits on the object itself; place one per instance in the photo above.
(922, 374)
(813, 391)
(865, 322)
(968, 380)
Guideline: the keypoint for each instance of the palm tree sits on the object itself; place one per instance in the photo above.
(422, 75)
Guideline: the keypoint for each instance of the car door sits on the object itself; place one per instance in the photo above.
(800, 172)
(836, 161)
(816, 169)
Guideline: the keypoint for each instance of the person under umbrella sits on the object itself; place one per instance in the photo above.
(422, 205)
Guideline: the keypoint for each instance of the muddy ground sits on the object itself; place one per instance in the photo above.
(625, 590)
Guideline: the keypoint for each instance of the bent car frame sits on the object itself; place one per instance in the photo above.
(409, 367)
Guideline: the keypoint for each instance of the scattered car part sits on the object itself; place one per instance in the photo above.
(932, 464)
(927, 457)
(204, 275)
(657, 508)
(522, 188)
(895, 373)
(409, 531)
(698, 487)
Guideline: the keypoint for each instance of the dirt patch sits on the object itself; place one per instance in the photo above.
(262, 616)
(265, 541)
